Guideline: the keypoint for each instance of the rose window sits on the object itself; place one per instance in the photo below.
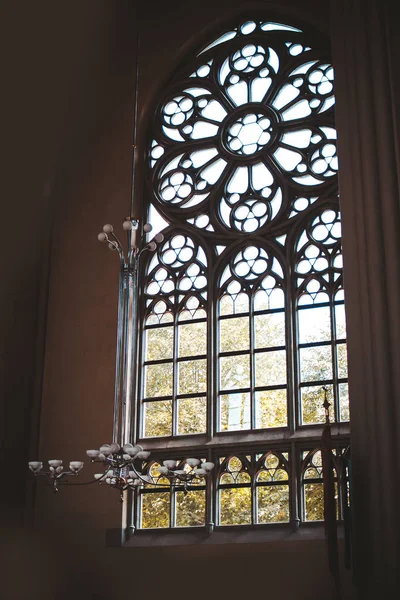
(245, 132)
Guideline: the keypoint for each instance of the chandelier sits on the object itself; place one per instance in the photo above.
(126, 466)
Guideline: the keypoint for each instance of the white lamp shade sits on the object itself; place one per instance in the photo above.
(55, 463)
(171, 464)
(115, 448)
(127, 457)
(35, 466)
(98, 475)
(207, 466)
(200, 472)
(143, 455)
(127, 448)
(76, 465)
(93, 453)
(163, 470)
(192, 462)
(105, 449)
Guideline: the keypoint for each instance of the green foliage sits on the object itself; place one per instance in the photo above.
(272, 502)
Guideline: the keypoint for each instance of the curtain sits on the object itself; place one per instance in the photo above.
(365, 55)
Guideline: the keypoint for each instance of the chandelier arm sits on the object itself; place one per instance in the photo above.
(84, 482)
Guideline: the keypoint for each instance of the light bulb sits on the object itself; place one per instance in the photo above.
(147, 228)
(127, 225)
(108, 228)
(159, 238)
(111, 246)
(151, 246)
(102, 237)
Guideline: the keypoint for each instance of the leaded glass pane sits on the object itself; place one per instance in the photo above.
(269, 330)
(235, 412)
(235, 506)
(271, 368)
(271, 408)
(192, 339)
(155, 510)
(159, 343)
(159, 380)
(190, 508)
(192, 415)
(158, 418)
(273, 504)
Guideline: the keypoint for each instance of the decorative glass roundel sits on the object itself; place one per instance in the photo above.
(244, 137)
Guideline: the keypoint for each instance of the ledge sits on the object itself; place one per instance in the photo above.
(220, 535)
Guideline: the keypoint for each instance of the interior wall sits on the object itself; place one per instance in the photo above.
(72, 90)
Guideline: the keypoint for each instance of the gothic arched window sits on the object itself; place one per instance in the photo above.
(242, 305)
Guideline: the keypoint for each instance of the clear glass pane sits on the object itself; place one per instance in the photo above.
(226, 305)
(192, 376)
(155, 510)
(340, 322)
(234, 334)
(344, 401)
(269, 330)
(192, 339)
(235, 412)
(271, 409)
(271, 368)
(269, 298)
(316, 363)
(342, 360)
(158, 380)
(314, 324)
(235, 506)
(312, 410)
(157, 418)
(314, 501)
(192, 416)
(273, 504)
(190, 508)
(159, 343)
(234, 372)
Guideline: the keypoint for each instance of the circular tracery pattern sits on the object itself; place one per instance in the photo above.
(249, 134)
(258, 98)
